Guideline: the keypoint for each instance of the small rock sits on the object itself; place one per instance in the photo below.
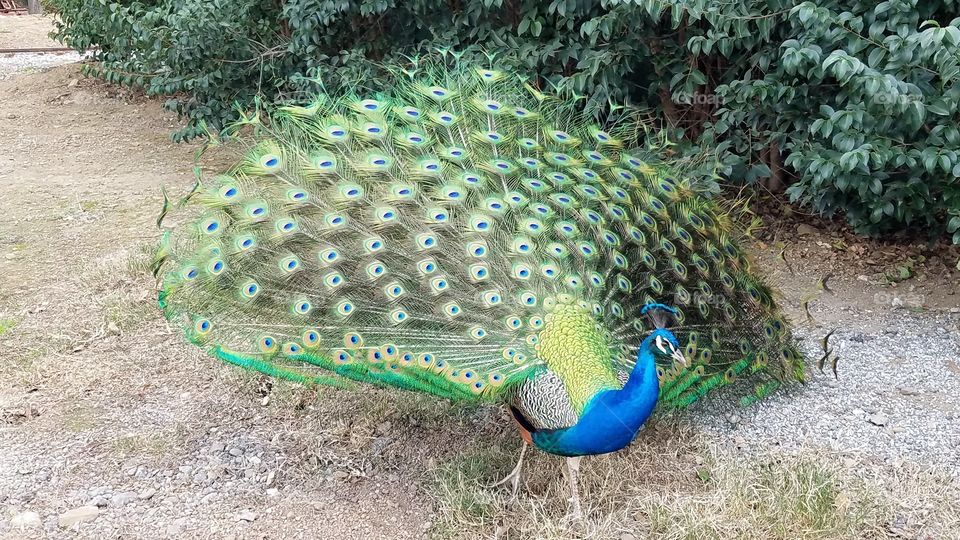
(896, 302)
(217, 447)
(246, 515)
(176, 528)
(734, 419)
(627, 536)
(25, 520)
(78, 515)
(100, 501)
(909, 391)
(878, 419)
(236, 452)
(340, 475)
(273, 492)
(73, 82)
(186, 469)
(804, 229)
(123, 499)
(863, 278)
(147, 494)
(955, 310)
(383, 427)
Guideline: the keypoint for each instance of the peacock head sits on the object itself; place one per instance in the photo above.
(661, 343)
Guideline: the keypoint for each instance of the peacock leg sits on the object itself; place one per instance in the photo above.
(514, 476)
(573, 467)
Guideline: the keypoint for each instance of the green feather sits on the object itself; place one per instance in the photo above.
(420, 238)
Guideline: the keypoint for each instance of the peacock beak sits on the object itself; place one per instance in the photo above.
(680, 358)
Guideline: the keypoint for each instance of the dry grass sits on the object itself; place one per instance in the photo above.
(146, 444)
(674, 485)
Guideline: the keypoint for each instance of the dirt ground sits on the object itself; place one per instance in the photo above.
(25, 31)
(103, 406)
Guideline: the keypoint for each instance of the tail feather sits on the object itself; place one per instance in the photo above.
(414, 238)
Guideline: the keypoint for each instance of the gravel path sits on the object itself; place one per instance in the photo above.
(29, 31)
(11, 64)
(897, 397)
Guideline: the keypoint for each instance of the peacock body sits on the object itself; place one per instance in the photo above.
(465, 235)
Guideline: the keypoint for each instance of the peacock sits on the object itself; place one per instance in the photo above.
(466, 234)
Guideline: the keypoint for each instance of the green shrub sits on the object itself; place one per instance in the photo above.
(852, 106)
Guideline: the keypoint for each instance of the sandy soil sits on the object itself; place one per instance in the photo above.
(23, 31)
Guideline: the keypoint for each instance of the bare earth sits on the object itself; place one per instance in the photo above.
(104, 408)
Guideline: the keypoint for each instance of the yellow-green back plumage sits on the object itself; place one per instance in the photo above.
(418, 238)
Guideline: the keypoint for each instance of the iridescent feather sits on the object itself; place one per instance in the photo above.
(421, 238)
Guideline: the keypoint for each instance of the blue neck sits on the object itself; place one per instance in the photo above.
(643, 379)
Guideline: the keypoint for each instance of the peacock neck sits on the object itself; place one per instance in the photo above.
(643, 383)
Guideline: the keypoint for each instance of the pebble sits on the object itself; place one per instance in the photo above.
(273, 492)
(236, 452)
(147, 494)
(26, 520)
(78, 515)
(878, 419)
(176, 528)
(123, 499)
(246, 515)
(909, 391)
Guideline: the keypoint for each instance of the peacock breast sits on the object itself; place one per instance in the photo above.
(609, 423)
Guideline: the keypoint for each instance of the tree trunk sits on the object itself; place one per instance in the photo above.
(33, 7)
(776, 169)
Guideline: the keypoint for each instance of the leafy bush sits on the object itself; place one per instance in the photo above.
(851, 105)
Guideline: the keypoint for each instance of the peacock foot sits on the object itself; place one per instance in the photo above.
(576, 513)
(514, 477)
